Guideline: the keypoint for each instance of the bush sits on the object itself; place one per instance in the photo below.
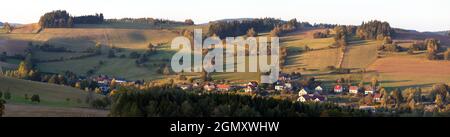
(390, 48)
(101, 103)
(447, 54)
(134, 55)
(2, 107)
(7, 95)
(35, 98)
(432, 56)
(318, 35)
(79, 101)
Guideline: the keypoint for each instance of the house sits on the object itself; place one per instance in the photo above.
(302, 92)
(209, 87)
(223, 87)
(120, 80)
(368, 108)
(104, 88)
(251, 87)
(185, 86)
(195, 85)
(353, 90)
(338, 89)
(368, 90)
(318, 89)
(377, 97)
(288, 86)
(279, 87)
(284, 77)
(253, 84)
(312, 98)
(248, 89)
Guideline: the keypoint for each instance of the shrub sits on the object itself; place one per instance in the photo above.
(35, 98)
(101, 103)
(7, 95)
(318, 35)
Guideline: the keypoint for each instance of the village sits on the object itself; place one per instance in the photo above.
(288, 86)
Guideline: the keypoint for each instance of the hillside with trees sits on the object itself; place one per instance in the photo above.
(374, 30)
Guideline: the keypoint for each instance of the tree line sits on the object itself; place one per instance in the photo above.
(235, 28)
(150, 21)
(89, 19)
(62, 19)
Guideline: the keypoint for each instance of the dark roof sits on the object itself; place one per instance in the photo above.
(313, 97)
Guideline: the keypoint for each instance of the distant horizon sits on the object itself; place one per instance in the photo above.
(412, 15)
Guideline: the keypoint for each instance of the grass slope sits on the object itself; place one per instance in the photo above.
(50, 94)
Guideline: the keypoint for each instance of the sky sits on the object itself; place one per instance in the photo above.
(422, 15)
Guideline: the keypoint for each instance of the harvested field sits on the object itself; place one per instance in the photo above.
(411, 71)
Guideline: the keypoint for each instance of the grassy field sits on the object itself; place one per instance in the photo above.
(300, 39)
(42, 55)
(50, 94)
(79, 39)
(21, 110)
(319, 58)
(360, 54)
(13, 47)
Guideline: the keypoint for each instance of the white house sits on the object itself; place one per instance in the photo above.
(301, 99)
(185, 87)
(311, 97)
(249, 89)
(288, 86)
(279, 87)
(318, 89)
(302, 92)
(368, 90)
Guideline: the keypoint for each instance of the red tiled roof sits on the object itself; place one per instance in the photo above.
(338, 87)
(369, 88)
(377, 95)
(223, 86)
(353, 88)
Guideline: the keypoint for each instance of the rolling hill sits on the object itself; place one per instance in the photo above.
(50, 94)
(359, 54)
(394, 70)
